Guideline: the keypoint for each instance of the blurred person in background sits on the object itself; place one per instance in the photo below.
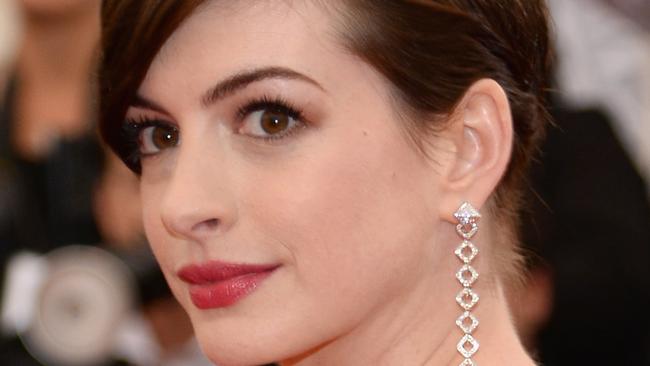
(590, 220)
(49, 158)
(60, 189)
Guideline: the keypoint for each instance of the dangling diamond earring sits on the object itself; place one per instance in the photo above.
(467, 227)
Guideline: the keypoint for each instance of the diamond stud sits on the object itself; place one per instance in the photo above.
(462, 249)
(467, 298)
(467, 346)
(467, 214)
(467, 322)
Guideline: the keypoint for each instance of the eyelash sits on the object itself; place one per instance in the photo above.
(133, 127)
(277, 104)
(131, 130)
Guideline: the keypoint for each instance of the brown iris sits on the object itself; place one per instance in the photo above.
(164, 137)
(274, 122)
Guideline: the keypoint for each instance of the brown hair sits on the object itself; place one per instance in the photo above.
(431, 51)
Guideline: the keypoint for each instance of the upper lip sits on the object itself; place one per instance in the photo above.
(215, 271)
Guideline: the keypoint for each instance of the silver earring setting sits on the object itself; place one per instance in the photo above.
(467, 227)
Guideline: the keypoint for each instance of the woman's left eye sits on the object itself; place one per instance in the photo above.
(270, 122)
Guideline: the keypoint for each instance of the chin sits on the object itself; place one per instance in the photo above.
(231, 338)
(228, 341)
(235, 359)
(253, 351)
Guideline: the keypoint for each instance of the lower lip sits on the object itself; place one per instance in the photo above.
(227, 292)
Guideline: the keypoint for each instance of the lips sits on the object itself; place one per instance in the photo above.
(217, 284)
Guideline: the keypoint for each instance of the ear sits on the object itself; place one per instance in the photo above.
(480, 134)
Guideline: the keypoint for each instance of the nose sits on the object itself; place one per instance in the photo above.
(198, 203)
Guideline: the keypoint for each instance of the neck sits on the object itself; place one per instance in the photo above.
(419, 328)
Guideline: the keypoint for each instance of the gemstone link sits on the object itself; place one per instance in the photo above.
(463, 348)
(461, 251)
(468, 362)
(467, 234)
(467, 322)
(462, 299)
(463, 279)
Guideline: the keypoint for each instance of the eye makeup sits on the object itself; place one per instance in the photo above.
(133, 128)
(275, 106)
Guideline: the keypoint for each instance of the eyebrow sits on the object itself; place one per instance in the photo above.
(232, 84)
(141, 102)
(241, 80)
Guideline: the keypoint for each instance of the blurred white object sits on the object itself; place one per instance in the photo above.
(74, 306)
(67, 305)
(604, 61)
(86, 293)
(25, 274)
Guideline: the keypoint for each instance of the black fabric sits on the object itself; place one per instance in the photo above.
(593, 230)
(46, 204)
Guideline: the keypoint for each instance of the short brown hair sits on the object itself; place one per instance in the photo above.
(431, 52)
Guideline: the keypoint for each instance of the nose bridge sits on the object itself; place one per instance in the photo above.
(197, 201)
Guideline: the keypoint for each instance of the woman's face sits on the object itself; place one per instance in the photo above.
(290, 208)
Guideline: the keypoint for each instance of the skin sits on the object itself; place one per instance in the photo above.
(358, 219)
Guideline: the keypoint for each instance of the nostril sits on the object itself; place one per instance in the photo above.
(212, 223)
(206, 225)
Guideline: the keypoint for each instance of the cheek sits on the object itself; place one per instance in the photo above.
(151, 214)
(156, 234)
(351, 214)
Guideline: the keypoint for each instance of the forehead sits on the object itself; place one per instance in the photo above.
(222, 38)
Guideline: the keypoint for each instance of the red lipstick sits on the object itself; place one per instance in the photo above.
(217, 284)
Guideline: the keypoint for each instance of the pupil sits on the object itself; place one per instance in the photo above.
(274, 122)
(164, 137)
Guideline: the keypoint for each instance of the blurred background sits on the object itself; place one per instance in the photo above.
(78, 285)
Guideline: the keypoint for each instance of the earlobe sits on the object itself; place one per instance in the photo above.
(482, 137)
